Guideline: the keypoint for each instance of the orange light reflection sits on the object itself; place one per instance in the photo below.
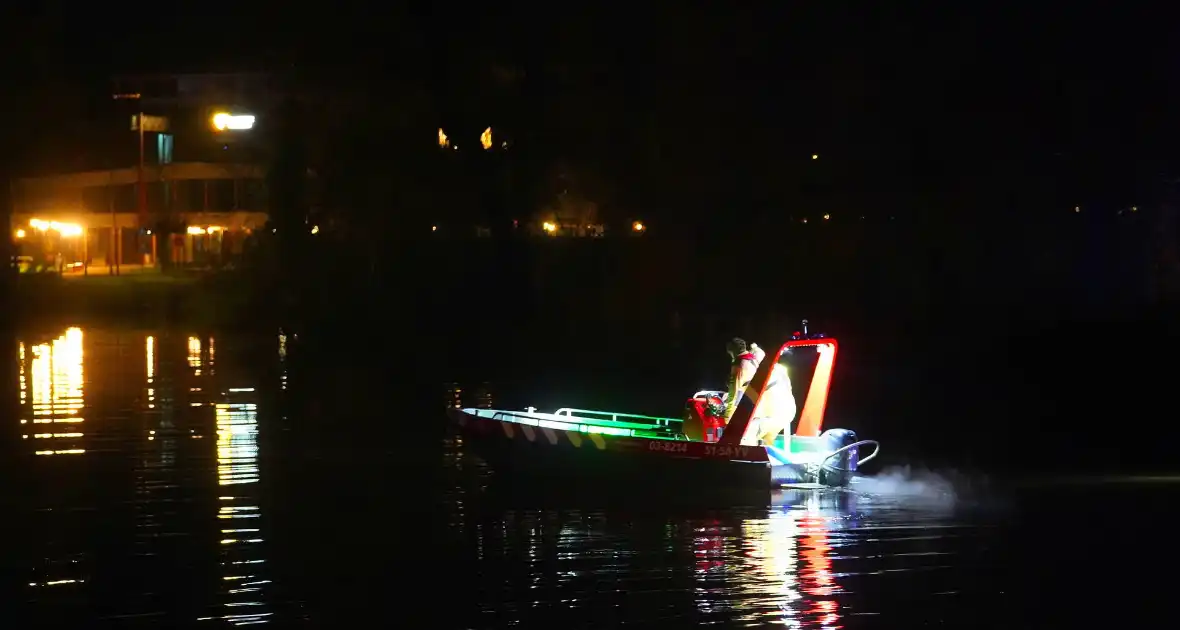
(790, 553)
(51, 390)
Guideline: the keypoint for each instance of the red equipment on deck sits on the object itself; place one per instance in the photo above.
(712, 425)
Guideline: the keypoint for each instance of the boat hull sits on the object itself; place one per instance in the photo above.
(570, 457)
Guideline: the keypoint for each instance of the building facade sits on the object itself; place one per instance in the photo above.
(189, 190)
(94, 217)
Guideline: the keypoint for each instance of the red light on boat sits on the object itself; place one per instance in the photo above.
(796, 334)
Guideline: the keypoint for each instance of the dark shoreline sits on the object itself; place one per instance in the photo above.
(130, 301)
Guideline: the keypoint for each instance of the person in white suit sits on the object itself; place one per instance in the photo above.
(776, 409)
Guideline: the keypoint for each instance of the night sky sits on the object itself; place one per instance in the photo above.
(955, 111)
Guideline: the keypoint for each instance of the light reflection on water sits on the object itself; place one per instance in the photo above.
(159, 515)
(171, 433)
(167, 515)
(808, 559)
(51, 381)
(238, 512)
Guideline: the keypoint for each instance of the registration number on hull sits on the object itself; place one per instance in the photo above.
(668, 447)
(732, 452)
(702, 450)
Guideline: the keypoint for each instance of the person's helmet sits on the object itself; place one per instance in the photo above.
(736, 346)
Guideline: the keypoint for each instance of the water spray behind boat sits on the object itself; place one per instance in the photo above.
(921, 487)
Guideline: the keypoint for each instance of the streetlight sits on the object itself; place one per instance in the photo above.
(638, 227)
(224, 121)
(141, 124)
(63, 229)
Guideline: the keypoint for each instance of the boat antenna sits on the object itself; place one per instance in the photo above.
(805, 328)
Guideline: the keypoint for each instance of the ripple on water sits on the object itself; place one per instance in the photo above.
(808, 559)
(141, 456)
(161, 487)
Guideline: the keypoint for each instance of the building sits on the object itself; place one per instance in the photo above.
(192, 174)
(94, 216)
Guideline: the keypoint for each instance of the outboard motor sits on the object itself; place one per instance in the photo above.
(838, 470)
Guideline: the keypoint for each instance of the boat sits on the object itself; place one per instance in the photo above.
(589, 445)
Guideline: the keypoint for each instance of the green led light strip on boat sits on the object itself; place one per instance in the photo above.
(657, 430)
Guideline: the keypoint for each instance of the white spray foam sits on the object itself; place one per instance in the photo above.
(905, 485)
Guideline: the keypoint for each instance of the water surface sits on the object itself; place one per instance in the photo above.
(176, 478)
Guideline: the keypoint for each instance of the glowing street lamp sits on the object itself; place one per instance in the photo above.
(20, 233)
(638, 227)
(64, 229)
(224, 121)
(549, 228)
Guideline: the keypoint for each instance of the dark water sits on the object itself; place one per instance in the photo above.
(175, 479)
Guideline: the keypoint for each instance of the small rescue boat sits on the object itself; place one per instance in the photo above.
(582, 444)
